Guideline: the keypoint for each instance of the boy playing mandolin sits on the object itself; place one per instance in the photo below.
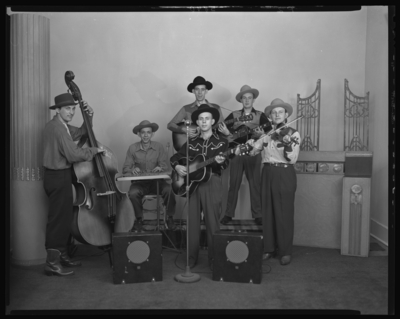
(208, 196)
(250, 165)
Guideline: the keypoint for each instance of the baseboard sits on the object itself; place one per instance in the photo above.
(35, 262)
(379, 232)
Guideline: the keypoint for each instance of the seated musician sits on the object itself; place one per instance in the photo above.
(147, 156)
(208, 196)
(250, 165)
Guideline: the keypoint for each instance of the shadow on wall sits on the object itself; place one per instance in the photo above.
(154, 109)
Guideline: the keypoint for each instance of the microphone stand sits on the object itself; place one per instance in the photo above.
(188, 276)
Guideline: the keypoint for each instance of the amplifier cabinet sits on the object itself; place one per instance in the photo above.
(137, 257)
(238, 257)
(358, 164)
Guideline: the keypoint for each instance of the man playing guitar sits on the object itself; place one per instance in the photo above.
(199, 88)
(251, 165)
(208, 196)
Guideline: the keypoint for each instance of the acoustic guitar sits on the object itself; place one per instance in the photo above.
(199, 171)
(178, 139)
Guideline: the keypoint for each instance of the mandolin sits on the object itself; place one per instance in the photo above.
(243, 133)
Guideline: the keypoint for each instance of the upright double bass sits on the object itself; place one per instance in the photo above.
(100, 207)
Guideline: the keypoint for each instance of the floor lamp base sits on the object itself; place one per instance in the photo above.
(187, 277)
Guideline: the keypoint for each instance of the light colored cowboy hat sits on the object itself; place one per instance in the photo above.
(199, 80)
(61, 100)
(246, 89)
(278, 103)
(205, 108)
(144, 124)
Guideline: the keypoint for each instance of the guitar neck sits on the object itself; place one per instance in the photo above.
(232, 120)
(211, 160)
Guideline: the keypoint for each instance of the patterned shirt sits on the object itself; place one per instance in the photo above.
(59, 149)
(275, 152)
(210, 147)
(146, 160)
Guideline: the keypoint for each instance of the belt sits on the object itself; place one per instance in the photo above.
(278, 164)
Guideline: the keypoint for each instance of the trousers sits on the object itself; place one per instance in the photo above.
(139, 189)
(58, 187)
(278, 187)
(207, 199)
(251, 166)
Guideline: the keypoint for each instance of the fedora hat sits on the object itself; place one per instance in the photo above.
(144, 124)
(199, 80)
(246, 89)
(278, 103)
(61, 100)
(205, 108)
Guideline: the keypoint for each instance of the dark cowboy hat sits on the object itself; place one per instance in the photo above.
(198, 80)
(205, 108)
(278, 103)
(246, 89)
(144, 124)
(61, 100)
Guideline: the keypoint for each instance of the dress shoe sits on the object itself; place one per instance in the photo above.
(66, 262)
(138, 225)
(170, 223)
(53, 265)
(225, 220)
(267, 256)
(258, 220)
(285, 260)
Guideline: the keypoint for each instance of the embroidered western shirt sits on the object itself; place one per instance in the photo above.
(185, 113)
(210, 147)
(275, 152)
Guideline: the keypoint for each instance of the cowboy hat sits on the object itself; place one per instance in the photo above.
(144, 124)
(278, 103)
(198, 80)
(246, 89)
(205, 108)
(61, 100)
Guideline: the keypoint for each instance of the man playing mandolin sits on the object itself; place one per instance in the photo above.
(147, 156)
(207, 197)
(251, 165)
(59, 153)
(199, 88)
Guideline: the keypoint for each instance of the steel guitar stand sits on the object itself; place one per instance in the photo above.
(158, 221)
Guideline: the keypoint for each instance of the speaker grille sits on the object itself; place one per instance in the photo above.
(138, 252)
(237, 251)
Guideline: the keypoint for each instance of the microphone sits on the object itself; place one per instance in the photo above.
(187, 122)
